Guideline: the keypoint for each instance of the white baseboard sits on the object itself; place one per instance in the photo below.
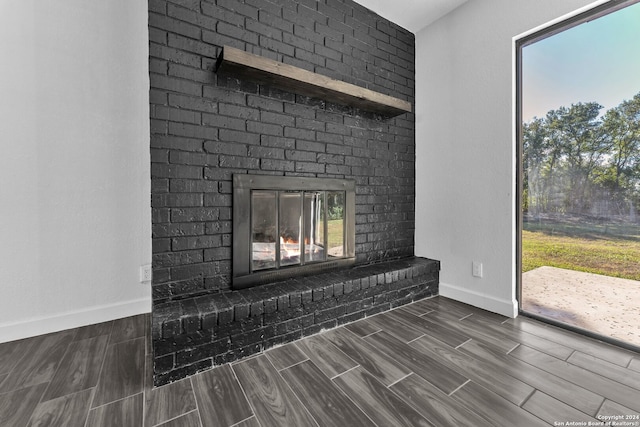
(495, 305)
(73, 319)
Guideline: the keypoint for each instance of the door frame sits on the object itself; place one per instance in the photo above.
(541, 34)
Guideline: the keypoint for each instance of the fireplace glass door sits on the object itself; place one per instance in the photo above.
(290, 226)
(309, 224)
(264, 231)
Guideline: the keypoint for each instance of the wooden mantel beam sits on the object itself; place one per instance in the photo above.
(298, 80)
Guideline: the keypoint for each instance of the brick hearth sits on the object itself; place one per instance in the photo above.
(195, 334)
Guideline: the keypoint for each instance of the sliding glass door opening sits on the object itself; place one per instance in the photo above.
(579, 159)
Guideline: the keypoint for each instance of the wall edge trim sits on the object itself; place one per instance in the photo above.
(11, 331)
(476, 299)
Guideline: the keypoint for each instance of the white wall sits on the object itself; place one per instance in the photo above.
(75, 221)
(465, 149)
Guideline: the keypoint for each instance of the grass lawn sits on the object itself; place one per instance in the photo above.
(335, 231)
(608, 249)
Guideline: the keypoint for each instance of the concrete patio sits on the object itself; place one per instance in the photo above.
(609, 306)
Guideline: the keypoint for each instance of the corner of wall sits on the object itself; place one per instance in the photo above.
(483, 301)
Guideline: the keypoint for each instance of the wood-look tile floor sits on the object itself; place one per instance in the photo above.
(433, 363)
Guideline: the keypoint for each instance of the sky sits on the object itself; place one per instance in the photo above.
(597, 61)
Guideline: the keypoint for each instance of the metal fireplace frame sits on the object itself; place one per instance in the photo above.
(243, 185)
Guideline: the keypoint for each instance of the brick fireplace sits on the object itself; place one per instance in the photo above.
(207, 127)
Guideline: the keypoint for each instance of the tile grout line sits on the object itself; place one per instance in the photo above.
(339, 350)
(195, 398)
(364, 336)
(101, 372)
(57, 368)
(241, 421)
(526, 399)
(117, 400)
(331, 344)
(144, 383)
(244, 359)
(459, 387)
(178, 416)
(293, 391)
(601, 405)
(461, 344)
(60, 364)
(399, 379)
(355, 403)
(295, 344)
(291, 366)
(424, 314)
(415, 339)
(513, 348)
(93, 397)
(93, 393)
(244, 393)
(342, 373)
(26, 351)
(626, 367)
(95, 388)
(518, 345)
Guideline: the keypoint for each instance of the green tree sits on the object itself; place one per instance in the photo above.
(576, 160)
(622, 171)
(581, 144)
(534, 154)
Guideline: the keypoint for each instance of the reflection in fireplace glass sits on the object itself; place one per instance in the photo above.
(335, 223)
(263, 226)
(289, 215)
(296, 227)
(314, 226)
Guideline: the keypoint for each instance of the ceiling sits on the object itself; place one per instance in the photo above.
(413, 15)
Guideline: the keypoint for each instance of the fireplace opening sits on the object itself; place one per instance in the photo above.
(286, 227)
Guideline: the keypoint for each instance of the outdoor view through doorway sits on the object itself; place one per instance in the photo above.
(579, 142)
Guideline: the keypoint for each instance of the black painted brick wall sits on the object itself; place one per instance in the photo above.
(206, 127)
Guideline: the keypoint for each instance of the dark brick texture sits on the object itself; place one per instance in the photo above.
(205, 127)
